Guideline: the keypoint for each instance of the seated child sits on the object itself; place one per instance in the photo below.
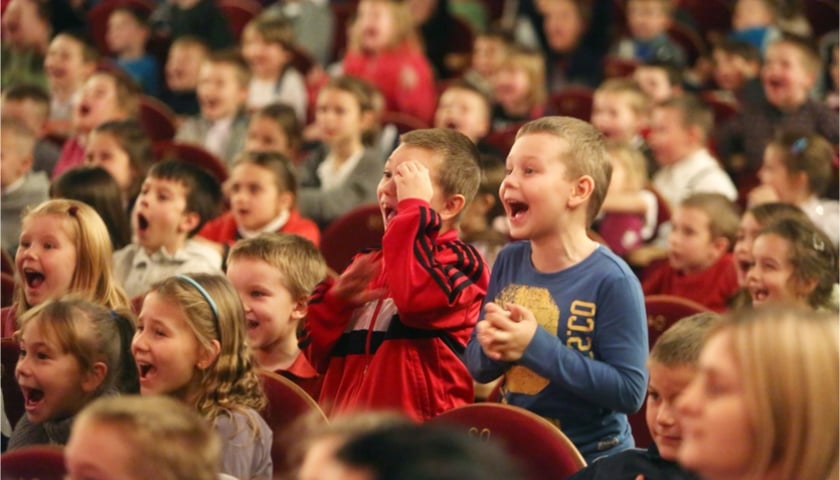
(659, 80)
(414, 301)
(490, 49)
(175, 201)
(519, 88)
(648, 22)
(700, 265)
(191, 345)
(465, 109)
(672, 365)
(30, 104)
(124, 149)
(70, 60)
(736, 68)
(127, 33)
(222, 90)
(275, 128)
(621, 111)
(754, 22)
(183, 65)
(274, 275)
(268, 47)
(262, 191)
(564, 319)
(71, 352)
(121, 437)
(20, 187)
(624, 230)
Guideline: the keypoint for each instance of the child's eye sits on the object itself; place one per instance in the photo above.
(386, 174)
(159, 333)
(42, 356)
(256, 293)
(653, 396)
(22, 353)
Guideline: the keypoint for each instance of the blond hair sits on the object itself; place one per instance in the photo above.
(532, 62)
(93, 279)
(638, 101)
(297, 258)
(403, 25)
(788, 359)
(585, 154)
(633, 162)
(191, 448)
(681, 343)
(722, 213)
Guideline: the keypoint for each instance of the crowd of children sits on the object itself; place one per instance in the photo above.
(522, 233)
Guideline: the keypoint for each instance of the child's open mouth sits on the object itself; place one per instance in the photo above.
(34, 279)
(388, 213)
(142, 222)
(145, 370)
(451, 125)
(251, 324)
(32, 397)
(517, 209)
(759, 294)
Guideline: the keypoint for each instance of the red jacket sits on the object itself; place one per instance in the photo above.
(712, 287)
(223, 229)
(409, 357)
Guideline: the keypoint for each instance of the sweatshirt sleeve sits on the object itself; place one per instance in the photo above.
(325, 321)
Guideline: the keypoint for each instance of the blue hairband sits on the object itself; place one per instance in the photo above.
(203, 293)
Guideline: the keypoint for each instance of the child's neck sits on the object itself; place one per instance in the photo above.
(343, 150)
(562, 250)
(133, 52)
(64, 91)
(279, 355)
(171, 248)
(518, 108)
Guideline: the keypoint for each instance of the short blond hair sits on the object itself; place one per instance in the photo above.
(532, 61)
(637, 99)
(722, 213)
(680, 345)
(632, 160)
(297, 258)
(585, 154)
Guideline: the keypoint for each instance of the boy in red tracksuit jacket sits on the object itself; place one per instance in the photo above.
(389, 333)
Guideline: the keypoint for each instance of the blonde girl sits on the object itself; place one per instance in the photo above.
(64, 248)
(190, 344)
(71, 351)
(519, 88)
(764, 404)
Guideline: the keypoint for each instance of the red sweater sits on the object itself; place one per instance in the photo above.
(711, 287)
(223, 229)
(402, 74)
(401, 351)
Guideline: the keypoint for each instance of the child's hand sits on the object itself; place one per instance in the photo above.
(351, 285)
(504, 334)
(413, 181)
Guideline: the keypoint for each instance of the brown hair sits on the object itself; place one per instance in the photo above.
(532, 61)
(636, 97)
(272, 29)
(232, 58)
(681, 343)
(133, 139)
(286, 118)
(810, 55)
(810, 154)
(694, 112)
(721, 212)
(276, 163)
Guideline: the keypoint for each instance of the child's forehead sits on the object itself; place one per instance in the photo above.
(176, 185)
(427, 157)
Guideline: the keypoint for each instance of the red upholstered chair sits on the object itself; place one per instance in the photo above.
(157, 119)
(239, 13)
(348, 234)
(287, 403)
(503, 139)
(41, 462)
(7, 289)
(572, 102)
(541, 448)
(12, 396)
(193, 154)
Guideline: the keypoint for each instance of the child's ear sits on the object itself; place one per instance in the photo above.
(286, 200)
(804, 287)
(301, 308)
(93, 378)
(208, 355)
(581, 191)
(720, 245)
(189, 221)
(452, 206)
(367, 120)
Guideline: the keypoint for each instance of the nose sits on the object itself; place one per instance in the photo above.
(138, 343)
(688, 403)
(22, 366)
(665, 414)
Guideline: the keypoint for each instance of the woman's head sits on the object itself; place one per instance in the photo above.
(380, 25)
(71, 352)
(765, 401)
(752, 222)
(123, 149)
(274, 128)
(65, 247)
(261, 187)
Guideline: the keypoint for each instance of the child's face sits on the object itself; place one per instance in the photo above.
(773, 173)
(691, 248)
(770, 278)
(266, 59)
(271, 313)
(613, 116)
(375, 25)
(26, 111)
(751, 14)
(562, 24)
(46, 258)
(220, 94)
(488, 55)
(338, 116)
(266, 135)
(647, 18)
(165, 348)
(669, 139)
(742, 252)
(718, 438)
(654, 82)
(511, 85)
(97, 104)
(254, 197)
(65, 65)
(124, 33)
(536, 189)
(666, 385)
(387, 191)
(785, 77)
(14, 163)
(21, 25)
(98, 451)
(51, 379)
(182, 67)
(320, 462)
(103, 150)
(160, 217)
(463, 111)
(730, 70)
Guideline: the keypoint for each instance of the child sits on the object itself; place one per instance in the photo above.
(26, 34)
(750, 410)
(564, 319)
(621, 111)
(661, 81)
(64, 248)
(30, 105)
(127, 34)
(490, 49)
(797, 169)
(275, 128)
(736, 68)
(20, 187)
(222, 91)
(70, 60)
(519, 88)
(574, 54)
(384, 51)
(648, 22)
(175, 201)
(389, 332)
(105, 96)
(122, 438)
(274, 276)
(672, 365)
(754, 21)
(123, 149)
(341, 173)
(465, 109)
(699, 266)
(793, 261)
(262, 191)
(183, 64)
(622, 229)
(71, 351)
(199, 18)
(190, 344)
(268, 47)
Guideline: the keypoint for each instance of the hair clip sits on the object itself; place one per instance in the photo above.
(799, 146)
(73, 210)
(819, 244)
